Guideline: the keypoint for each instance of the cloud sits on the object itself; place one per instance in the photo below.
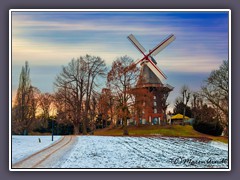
(56, 38)
(116, 25)
(39, 53)
(191, 64)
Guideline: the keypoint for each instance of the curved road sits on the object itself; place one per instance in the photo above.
(47, 157)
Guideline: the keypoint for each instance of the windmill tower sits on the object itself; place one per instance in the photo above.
(152, 79)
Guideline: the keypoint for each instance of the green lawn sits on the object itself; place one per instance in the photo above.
(169, 131)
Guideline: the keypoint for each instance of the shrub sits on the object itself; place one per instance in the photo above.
(211, 127)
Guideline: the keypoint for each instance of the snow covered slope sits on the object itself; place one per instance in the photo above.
(141, 152)
(24, 146)
(129, 152)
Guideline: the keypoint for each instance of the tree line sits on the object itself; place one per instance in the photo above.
(79, 106)
(210, 105)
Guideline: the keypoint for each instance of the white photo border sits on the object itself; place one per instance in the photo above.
(116, 10)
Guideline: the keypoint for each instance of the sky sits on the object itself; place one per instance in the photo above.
(49, 40)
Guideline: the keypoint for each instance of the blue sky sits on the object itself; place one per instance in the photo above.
(48, 40)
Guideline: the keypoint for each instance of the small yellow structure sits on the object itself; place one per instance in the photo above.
(178, 119)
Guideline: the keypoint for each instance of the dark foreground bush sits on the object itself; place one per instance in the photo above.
(212, 128)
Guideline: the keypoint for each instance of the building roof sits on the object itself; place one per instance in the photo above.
(179, 116)
(148, 77)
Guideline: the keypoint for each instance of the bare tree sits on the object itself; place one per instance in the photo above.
(95, 68)
(75, 86)
(105, 106)
(70, 91)
(196, 102)
(185, 98)
(45, 102)
(93, 112)
(121, 79)
(216, 91)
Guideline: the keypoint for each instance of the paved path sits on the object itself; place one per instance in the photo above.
(46, 158)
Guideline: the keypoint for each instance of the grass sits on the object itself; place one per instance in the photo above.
(168, 131)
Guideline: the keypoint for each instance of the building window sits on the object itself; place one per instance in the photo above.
(155, 103)
(155, 110)
(154, 97)
(143, 112)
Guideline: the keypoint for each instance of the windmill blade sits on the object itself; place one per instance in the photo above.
(155, 69)
(162, 45)
(135, 42)
(157, 72)
(169, 86)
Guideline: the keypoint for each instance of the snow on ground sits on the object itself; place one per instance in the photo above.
(128, 152)
(24, 146)
(144, 152)
(219, 145)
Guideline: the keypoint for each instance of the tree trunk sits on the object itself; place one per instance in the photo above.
(84, 128)
(184, 111)
(76, 129)
(225, 127)
(125, 128)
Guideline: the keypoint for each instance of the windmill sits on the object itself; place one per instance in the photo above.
(152, 78)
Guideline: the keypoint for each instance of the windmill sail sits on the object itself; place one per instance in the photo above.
(135, 42)
(148, 60)
(162, 45)
(156, 71)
